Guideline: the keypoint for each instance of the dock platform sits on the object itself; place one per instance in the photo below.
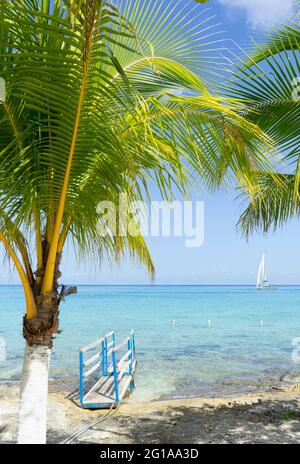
(106, 372)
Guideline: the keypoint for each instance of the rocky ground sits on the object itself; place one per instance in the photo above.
(272, 417)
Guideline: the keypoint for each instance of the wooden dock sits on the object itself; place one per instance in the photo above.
(106, 372)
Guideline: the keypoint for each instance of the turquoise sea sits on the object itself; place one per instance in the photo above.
(247, 346)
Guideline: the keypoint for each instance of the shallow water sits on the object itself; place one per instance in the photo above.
(236, 353)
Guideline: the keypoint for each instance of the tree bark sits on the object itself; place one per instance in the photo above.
(32, 427)
(38, 333)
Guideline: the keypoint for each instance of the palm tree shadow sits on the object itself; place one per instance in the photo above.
(267, 422)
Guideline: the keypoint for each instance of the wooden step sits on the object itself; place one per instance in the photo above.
(104, 395)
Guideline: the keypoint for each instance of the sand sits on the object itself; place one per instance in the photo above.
(270, 417)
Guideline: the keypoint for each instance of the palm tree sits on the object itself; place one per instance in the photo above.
(102, 97)
(268, 83)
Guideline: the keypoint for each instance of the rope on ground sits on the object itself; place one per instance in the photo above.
(84, 429)
(73, 394)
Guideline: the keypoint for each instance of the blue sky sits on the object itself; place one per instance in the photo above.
(224, 258)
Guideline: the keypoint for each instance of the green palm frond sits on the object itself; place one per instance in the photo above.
(267, 83)
(106, 97)
(271, 206)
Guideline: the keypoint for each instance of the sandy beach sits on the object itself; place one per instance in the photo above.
(270, 417)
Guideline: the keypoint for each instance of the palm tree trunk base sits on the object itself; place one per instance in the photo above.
(32, 424)
(40, 330)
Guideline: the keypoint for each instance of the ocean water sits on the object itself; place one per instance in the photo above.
(237, 353)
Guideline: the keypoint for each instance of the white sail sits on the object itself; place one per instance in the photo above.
(260, 275)
(262, 280)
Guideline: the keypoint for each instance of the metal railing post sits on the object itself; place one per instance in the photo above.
(130, 347)
(106, 357)
(102, 358)
(130, 356)
(133, 343)
(115, 376)
(81, 387)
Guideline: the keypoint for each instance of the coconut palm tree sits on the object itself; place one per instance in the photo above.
(268, 82)
(102, 97)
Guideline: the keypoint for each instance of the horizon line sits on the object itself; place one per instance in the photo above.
(163, 285)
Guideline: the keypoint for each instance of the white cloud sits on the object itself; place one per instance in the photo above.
(262, 12)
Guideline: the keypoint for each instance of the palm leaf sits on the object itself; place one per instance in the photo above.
(105, 97)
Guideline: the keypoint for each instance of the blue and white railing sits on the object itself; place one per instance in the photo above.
(124, 366)
(103, 359)
(96, 363)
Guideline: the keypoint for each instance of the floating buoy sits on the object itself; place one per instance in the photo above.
(173, 322)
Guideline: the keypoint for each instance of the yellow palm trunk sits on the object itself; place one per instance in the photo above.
(31, 311)
(50, 266)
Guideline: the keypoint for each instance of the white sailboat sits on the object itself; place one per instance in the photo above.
(262, 281)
